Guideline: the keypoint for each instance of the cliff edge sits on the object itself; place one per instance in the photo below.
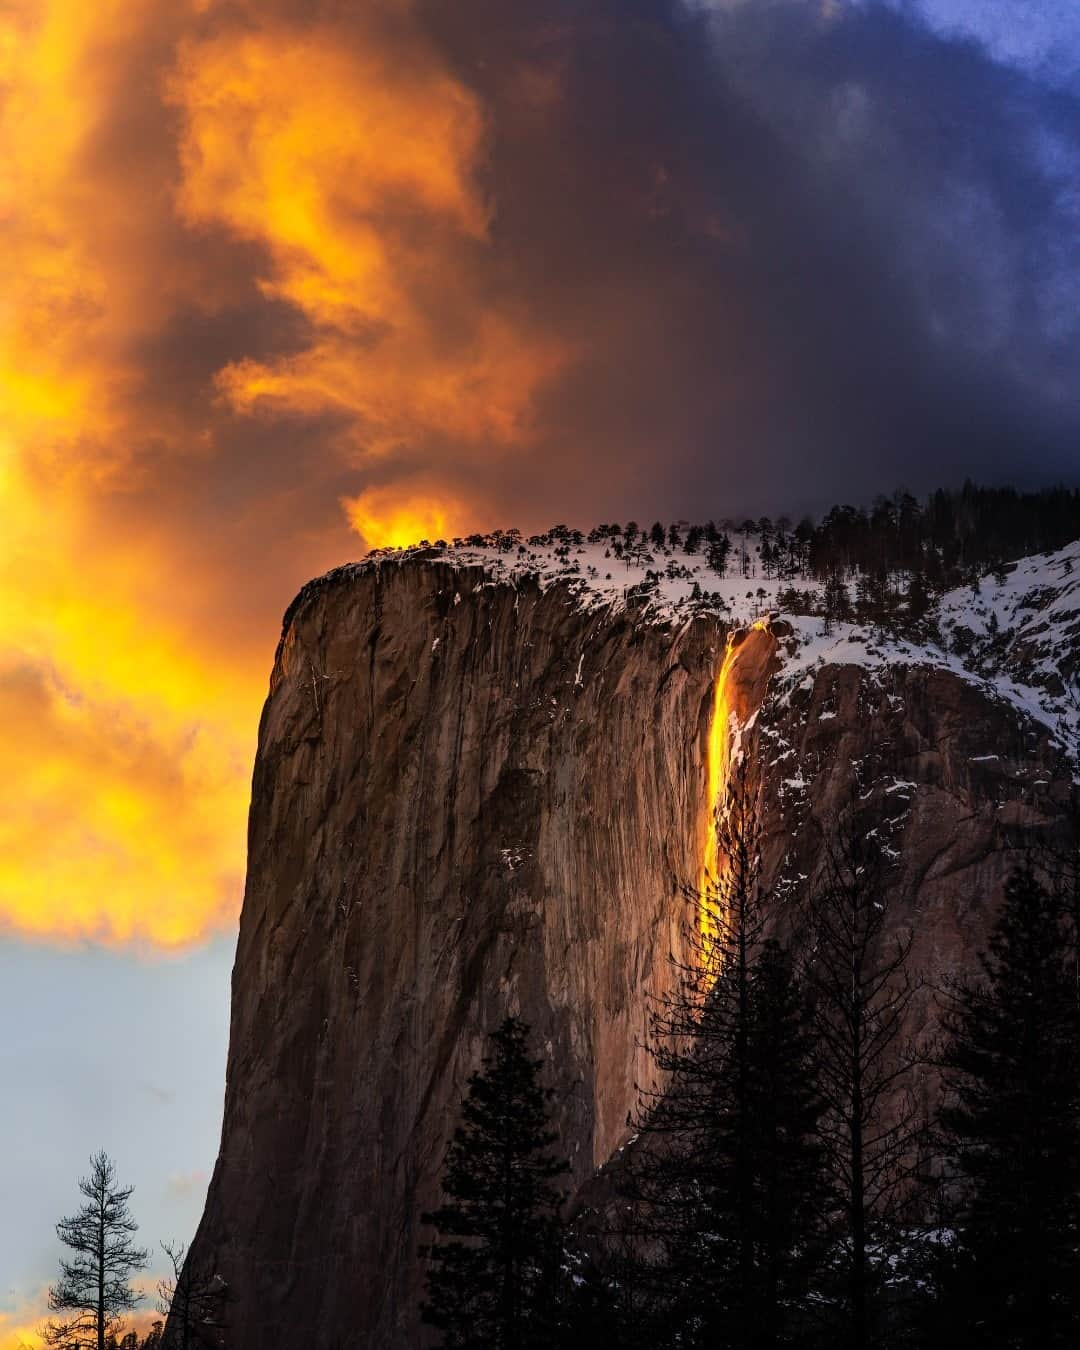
(482, 782)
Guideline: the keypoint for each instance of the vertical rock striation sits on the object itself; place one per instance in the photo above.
(468, 799)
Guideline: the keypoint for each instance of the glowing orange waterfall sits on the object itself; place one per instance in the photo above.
(731, 713)
(719, 764)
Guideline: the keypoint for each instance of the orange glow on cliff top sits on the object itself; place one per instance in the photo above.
(240, 252)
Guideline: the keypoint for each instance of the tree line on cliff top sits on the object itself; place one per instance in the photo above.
(805, 1173)
(949, 537)
(884, 565)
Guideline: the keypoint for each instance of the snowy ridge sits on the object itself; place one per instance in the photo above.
(1017, 636)
(1018, 639)
(663, 584)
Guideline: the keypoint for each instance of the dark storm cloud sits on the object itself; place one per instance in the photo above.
(786, 256)
(804, 257)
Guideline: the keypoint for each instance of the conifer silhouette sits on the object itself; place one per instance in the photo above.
(1011, 1125)
(494, 1270)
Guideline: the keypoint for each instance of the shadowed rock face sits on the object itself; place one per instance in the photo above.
(471, 799)
(958, 786)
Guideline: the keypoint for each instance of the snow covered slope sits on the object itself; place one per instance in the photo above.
(1017, 636)
(1021, 633)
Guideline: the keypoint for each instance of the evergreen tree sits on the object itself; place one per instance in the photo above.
(726, 1182)
(719, 550)
(493, 1271)
(1012, 1130)
(857, 970)
(94, 1290)
(587, 1315)
(785, 1156)
(919, 596)
(837, 602)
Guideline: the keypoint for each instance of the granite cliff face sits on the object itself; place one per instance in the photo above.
(467, 799)
(910, 745)
(478, 792)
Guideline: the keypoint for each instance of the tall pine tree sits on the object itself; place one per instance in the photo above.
(789, 1188)
(493, 1273)
(1012, 1129)
(856, 967)
(94, 1289)
(726, 1181)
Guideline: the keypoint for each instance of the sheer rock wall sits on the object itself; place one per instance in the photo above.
(467, 800)
(471, 798)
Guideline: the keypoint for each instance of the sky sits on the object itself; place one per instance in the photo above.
(292, 279)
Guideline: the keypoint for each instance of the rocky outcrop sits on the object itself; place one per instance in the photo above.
(467, 799)
(959, 786)
(475, 793)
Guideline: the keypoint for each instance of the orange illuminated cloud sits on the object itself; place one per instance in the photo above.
(125, 749)
(18, 1335)
(216, 224)
(19, 1329)
(356, 171)
(387, 518)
